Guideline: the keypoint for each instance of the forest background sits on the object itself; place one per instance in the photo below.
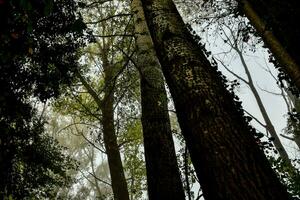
(71, 111)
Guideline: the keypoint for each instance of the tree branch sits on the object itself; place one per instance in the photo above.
(110, 17)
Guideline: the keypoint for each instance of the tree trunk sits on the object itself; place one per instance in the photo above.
(227, 160)
(275, 22)
(163, 175)
(118, 180)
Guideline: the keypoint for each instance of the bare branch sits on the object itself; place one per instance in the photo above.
(286, 137)
(98, 179)
(110, 17)
(255, 119)
(233, 73)
(75, 123)
(114, 35)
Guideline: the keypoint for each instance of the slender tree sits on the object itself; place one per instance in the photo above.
(225, 155)
(163, 175)
(232, 40)
(119, 184)
(105, 46)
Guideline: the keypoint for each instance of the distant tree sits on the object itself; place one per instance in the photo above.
(284, 166)
(92, 174)
(272, 20)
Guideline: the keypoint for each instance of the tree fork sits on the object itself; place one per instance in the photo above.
(118, 181)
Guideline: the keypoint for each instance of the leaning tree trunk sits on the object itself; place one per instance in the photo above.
(274, 21)
(227, 160)
(163, 175)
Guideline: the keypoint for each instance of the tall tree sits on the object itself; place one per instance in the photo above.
(106, 105)
(163, 175)
(227, 159)
(39, 40)
(104, 86)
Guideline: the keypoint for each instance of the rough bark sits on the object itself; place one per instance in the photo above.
(163, 175)
(274, 21)
(226, 158)
(187, 173)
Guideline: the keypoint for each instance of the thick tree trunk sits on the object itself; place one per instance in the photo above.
(163, 175)
(274, 21)
(226, 158)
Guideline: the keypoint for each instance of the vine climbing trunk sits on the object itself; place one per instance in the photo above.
(227, 160)
(163, 175)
